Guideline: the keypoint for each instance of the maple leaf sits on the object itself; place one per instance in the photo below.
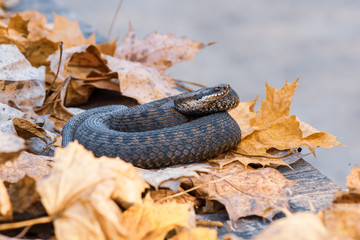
(68, 32)
(160, 51)
(244, 192)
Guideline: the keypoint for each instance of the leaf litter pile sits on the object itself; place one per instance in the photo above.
(77, 196)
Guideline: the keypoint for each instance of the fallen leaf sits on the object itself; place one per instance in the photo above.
(79, 190)
(34, 166)
(68, 32)
(20, 83)
(159, 177)
(342, 220)
(160, 51)
(5, 204)
(244, 192)
(145, 84)
(10, 148)
(153, 220)
(22, 193)
(299, 226)
(161, 194)
(36, 24)
(7, 114)
(198, 233)
(353, 179)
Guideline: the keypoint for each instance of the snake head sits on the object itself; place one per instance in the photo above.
(205, 101)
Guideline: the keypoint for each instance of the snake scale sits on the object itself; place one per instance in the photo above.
(183, 129)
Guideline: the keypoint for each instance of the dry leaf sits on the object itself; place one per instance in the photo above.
(36, 24)
(342, 220)
(68, 32)
(10, 148)
(198, 233)
(159, 177)
(145, 84)
(21, 84)
(160, 51)
(7, 114)
(34, 166)
(5, 204)
(79, 190)
(153, 220)
(245, 192)
(353, 179)
(166, 195)
(300, 226)
(22, 193)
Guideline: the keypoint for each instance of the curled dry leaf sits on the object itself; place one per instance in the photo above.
(10, 148)
(21, 84)
(79, 191)
(159, 177)
(5, 204)
(244, 192)
(88, 70)
(34, 166)
(143, 83)
(160, 51)
(151, 220)
(302, 225)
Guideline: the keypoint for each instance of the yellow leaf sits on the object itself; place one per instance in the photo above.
(153, 220)
(276, 105)
(68, 32)
(5, 204)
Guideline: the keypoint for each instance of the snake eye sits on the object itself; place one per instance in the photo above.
(216, 89)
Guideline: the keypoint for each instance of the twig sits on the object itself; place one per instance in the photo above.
(58, 69)
(7, 226)
(113, 20)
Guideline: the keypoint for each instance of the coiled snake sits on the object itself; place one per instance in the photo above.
(176, 130)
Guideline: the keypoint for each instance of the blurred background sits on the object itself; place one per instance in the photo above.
(263, 41)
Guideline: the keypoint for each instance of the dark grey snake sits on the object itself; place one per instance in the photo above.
(183, 129)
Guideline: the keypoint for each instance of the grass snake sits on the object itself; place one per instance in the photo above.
(183, 129)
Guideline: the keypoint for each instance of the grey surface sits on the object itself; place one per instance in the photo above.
(264, 41)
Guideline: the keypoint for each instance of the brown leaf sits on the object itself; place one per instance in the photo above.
(153, 220)
(107, 48)
(34, 166)
(143, 83)
(88, 70)
(21, 84)
(68, 32)
(302, 225)
(36, 24)
(160, 51)
(79, 190)
(5, 204)
(10, 148)
(342, 220)
(353, 179)
(22, 193)
(245, 192)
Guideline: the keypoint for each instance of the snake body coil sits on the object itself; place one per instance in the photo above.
(176, 130)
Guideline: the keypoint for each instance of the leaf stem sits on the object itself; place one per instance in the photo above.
(41, 220)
